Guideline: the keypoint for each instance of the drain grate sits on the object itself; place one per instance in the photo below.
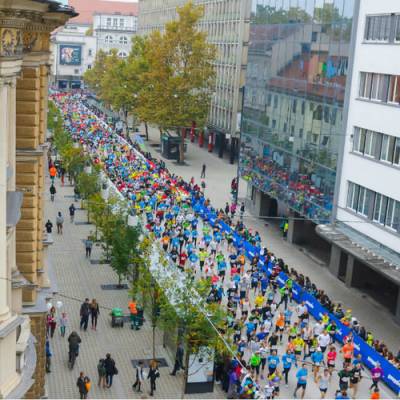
(98, 262)
(162, 362)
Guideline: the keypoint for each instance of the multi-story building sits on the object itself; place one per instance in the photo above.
(102, 25)
(25, 27)
(298, 65)
(227, 25)
(74, 49)
(114, 31)
(365, 236)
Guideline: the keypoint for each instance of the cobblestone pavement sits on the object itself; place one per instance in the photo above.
(76, 278)
(219, 174)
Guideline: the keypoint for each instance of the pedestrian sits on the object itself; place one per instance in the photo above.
(59, 223)
(63, 323)
(133, 315)
(139, 376)
(203, 171)
(153, 374)
(53, 191)
(111, 369)
(323, 382)
(48, 356)
(242, 210)
(375, 395)
(84, 313)
(53, 173)
(82, 385)
(301, 376)
(94, 313)
(49, 230)
(88, 247)
(377, 373)
(51, 322)
(72, 212)
(101, 370)
(178, 359)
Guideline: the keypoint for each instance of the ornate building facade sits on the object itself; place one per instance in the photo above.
(25, 27)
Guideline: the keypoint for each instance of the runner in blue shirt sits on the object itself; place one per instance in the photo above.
(287, 360)
(273, 361)
(301, 376)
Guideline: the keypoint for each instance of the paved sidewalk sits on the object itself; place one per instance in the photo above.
(219, 175)
(76, 278)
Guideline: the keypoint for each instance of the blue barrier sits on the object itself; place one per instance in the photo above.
(391, 375)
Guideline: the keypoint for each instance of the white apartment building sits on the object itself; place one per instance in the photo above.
(114, 31)
(74, 51)
(227, 25)
(366, 236)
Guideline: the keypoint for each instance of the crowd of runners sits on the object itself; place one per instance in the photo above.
(277, 341)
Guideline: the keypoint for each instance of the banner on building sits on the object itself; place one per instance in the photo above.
(70, 54)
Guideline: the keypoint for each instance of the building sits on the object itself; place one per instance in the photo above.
(74, 49)
(102, 25)
(366, 234)
(114, 31)
(25, 27)
(294, 108)
(226, 23)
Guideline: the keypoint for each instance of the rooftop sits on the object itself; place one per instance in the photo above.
(87, 8)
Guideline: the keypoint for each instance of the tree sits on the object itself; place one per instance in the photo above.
(181, 74)
(94, 76)
(327, 14)
(74, 160)
(88, 185)
(124, 248)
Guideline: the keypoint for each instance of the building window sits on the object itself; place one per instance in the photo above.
(377, 28)
(121, 22)
(108, 39)
(397, 29)
(115, 21)
(89, 52)
(122, 54)
(89, 66)
(123, 40)
(317, 114)
(377, 145)
(375, 206)
(276, 101)
(108, 21)
(380, 87)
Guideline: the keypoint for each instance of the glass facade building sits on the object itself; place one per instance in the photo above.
(293, 117)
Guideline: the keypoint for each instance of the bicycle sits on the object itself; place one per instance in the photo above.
(71, 359)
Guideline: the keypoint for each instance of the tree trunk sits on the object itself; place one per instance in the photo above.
(146, 130)
(154, 341)
(186, 374)
(181, 146)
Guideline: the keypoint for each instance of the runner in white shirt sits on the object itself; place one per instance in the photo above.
(324, 340)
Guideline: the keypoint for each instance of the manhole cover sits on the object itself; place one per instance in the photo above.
(97, 262)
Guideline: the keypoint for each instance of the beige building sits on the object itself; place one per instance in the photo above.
(25, 27)
(227, 25)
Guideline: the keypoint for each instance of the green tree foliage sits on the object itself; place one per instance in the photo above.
(94, 76)
(271, 15)
(181, 75)
(124, 248)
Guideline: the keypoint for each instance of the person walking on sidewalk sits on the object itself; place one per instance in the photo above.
(72, 212)
(94, 313)
(88, 247)
(203, 171)
(139, 377)
(49, 228)
(101, 369)
(84, 313)
(178, 359)
(82, 387)
(59, 223)
(154, 373)
(53, 173)
(53, 191)
(111, 369)
(63, 323)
